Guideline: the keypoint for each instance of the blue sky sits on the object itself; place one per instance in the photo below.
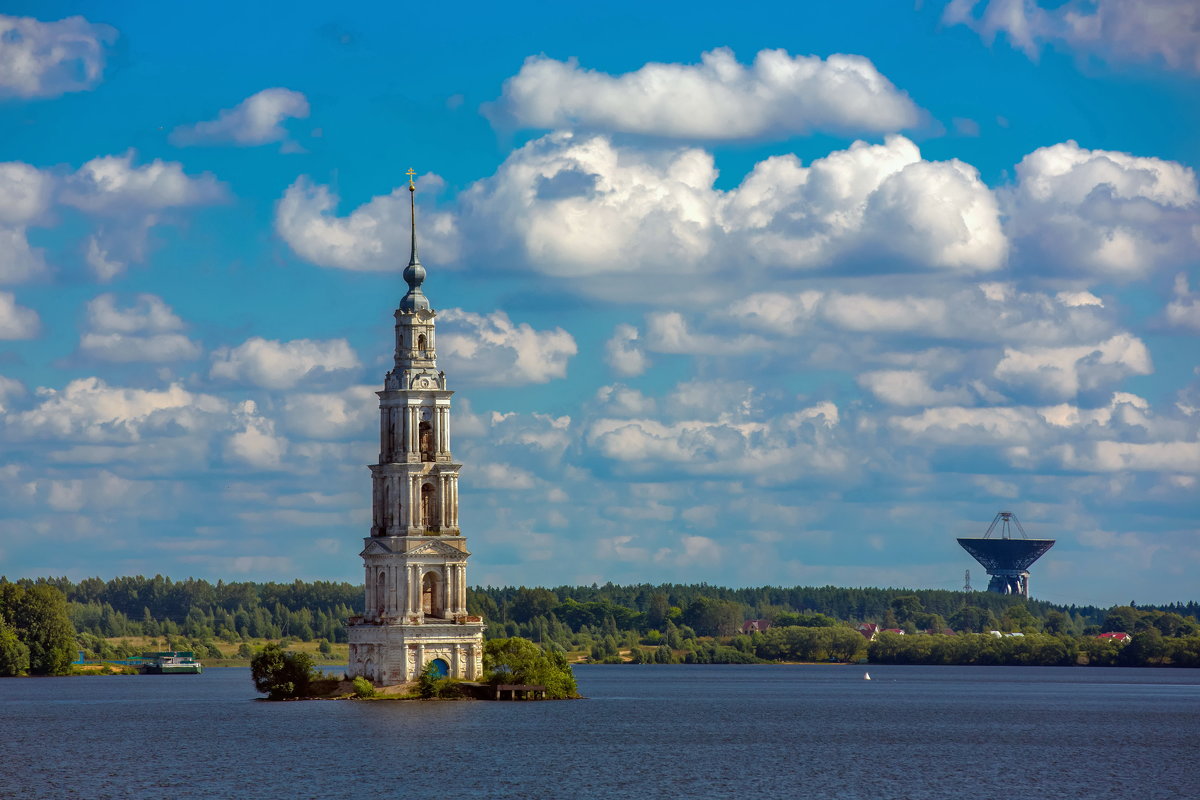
(794, 295)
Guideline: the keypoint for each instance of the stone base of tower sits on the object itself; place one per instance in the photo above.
(389, 654)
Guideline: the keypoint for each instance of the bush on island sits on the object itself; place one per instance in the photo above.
(363, 688)
(282, 674)
(520, 661)
(430, 685)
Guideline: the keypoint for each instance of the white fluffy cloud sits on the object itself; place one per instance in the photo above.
(255, 444)
(875, 203)
(25, 195)
(988, 314)
(1184, 309)
(375, 236)
(1117, 30)
(773, 450)
(1065, 371)
(776, 96)
(333, 415)
(490, 349)
(148, 330)
(47, 59)
(274, 364)
(256, 120)
(907, 387)
(585, 208)
(127, 201)
(16, 321)
(624, 353)
(1103, 213)
(90, 410)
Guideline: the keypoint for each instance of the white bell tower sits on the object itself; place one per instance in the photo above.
(415, 610)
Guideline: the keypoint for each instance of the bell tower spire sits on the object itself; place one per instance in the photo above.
(414, 273)
(415, 610)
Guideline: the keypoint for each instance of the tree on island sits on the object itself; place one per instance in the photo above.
(520, 661)
(14, 655)
(37, 616)
(282, 674)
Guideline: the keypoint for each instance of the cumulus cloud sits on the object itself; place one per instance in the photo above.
(127, 201)
(620, 400)
(574, 206)
(147, 330)
(1115, 456)
(490, 349)
(90, 410)
(900, 387)
(1065, 371)
(880, 203)
(256, 120)
(1162, 31)
(1184, 309)
(668, 332)
(374, 237)
(101, 491)
(775, 97)
(624, 354)
(1104, 213)
(255, 444)
(47, 59)
(1034, 434)
(273, 364)
(585, 208)
(16, 321)
(25, 195)
(986, 314)
(333, 415)
(771, 450)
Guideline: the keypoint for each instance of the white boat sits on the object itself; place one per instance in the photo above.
(866, 676)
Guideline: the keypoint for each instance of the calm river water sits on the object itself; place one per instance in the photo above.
(645, 732)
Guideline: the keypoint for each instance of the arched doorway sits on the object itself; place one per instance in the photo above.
(421, 342)
(381, 591)
(425, 430)
(429, 517)
(431, 595)
(440, 668)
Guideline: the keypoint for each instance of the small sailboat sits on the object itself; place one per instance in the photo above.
(866, 676)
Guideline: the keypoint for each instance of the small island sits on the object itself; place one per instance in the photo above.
(514, 668)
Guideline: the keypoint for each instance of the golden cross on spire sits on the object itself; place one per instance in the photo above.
(411, 186)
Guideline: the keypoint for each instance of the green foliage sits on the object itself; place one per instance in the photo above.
(1034, 649)
(282, 674)
(712, 617)
(363, 688)
(430, 685)
(517, 660)
(811, 644)
(790, 619)
(14, 655)
(37, 613)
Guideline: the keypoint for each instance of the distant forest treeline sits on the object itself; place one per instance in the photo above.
(199, 610)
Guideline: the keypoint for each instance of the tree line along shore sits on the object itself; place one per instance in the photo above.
(44, 623)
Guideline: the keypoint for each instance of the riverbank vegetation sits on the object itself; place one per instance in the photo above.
(36, 635)
(225, 623)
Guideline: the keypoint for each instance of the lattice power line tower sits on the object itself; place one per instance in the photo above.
(967, 582)
(1007, 559)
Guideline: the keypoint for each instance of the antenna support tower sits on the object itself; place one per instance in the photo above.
(967, 582)
(1007, 560)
